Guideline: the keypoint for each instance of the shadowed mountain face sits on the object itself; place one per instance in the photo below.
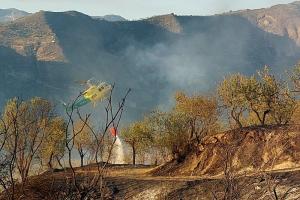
(45, 53)
(7, 15)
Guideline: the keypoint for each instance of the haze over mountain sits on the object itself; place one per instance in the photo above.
(11, 14)
(43, 54)
(111, 18)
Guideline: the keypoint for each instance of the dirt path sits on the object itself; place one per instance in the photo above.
(136, 182)
(143, 172)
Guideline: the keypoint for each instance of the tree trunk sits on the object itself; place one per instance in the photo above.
(81, 154)
(23, 175)
(236, 118)
(50, 167)
(264, 117)
(81, 160)
(133, 154)
(258, 117)
(58, 161)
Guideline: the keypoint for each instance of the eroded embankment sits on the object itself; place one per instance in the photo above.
(251, 149)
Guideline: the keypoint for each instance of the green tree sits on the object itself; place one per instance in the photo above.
(53, 146)
(262, 96)
(185, 126)
(230, 93)
(272, 102)
(170, 132)
(138, 136)
(200, 111)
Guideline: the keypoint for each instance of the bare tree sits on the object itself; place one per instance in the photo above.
(90, 185)
(29, 121)
(275, 185)
(256, 184)
(230, 186)
(24, 126)
(4, 160)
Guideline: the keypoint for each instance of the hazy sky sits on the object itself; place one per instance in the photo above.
(136, 9)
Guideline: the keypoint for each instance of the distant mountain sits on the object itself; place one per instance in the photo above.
(110, 18)
(11, 14)
(43, 54)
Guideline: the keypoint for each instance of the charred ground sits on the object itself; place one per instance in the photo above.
(201, 175)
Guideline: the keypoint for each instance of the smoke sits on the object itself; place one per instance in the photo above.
(208, 49)
(147, 58)
(195, 60)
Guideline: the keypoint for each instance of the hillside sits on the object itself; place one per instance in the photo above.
(251, 149)
(46, 52)
(281, 20)
(32, 38)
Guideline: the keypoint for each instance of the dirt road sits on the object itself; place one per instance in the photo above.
(126, 182)
(136, 182)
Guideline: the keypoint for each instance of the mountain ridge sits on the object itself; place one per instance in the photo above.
(111, 18)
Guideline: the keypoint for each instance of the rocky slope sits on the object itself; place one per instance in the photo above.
(281, 20)
(169, 22)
